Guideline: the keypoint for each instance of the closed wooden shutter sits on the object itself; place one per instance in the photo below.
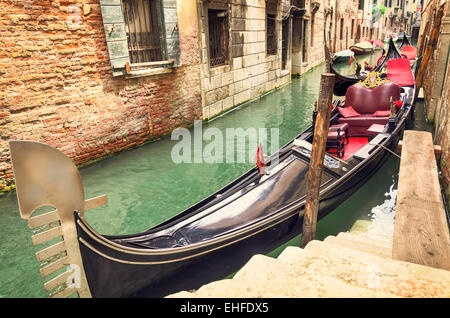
(172, 36)
(116, 37)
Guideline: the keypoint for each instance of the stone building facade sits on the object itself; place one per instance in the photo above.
(239, 59)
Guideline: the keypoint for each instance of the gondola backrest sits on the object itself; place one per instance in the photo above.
(369, 100)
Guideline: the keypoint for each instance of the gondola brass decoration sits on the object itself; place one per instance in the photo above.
(373, 80)
(37, 166)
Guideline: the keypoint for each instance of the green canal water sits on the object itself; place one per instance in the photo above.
(145, 187)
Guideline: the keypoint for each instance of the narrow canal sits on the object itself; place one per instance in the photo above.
(144, 186)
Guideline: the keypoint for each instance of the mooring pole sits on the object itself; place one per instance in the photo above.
(429, 50)
(317, 156)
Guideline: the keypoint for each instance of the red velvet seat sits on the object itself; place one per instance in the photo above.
(366, 101)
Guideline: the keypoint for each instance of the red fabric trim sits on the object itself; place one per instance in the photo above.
(399, 72)
(410, 52)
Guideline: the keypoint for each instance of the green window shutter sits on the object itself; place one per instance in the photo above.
(172, 37)
(116, 37)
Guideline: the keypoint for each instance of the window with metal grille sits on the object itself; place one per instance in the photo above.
(143, 30)
(218, 37)
(271, 34)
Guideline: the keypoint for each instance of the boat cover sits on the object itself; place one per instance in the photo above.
(410, 52)
(378, 43)
(344, 53)
(366, 45)
(399, 72)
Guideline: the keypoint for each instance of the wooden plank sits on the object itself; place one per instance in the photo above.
(43, 219)
(50, 251)
(421, 232)
(46, 236)
(437, 149)
(53, 267)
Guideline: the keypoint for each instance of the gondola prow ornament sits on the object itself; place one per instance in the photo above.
(46, 177)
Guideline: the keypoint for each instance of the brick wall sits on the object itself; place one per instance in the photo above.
(250, 72)
(436, 88)
(56, 85)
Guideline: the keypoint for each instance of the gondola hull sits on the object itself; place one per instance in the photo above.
(116, 272)
(212, 239)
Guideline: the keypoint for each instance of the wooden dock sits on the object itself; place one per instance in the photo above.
(412, 263)
(421, 232)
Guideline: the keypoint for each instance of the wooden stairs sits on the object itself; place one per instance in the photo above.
(348, 265)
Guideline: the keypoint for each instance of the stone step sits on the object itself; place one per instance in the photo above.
(327, 270)
(363, 228)
(360, 246)
(264, 277)
(374, 236)
(366, 269)
(366, 238)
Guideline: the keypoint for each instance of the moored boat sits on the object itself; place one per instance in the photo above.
(210, 240)
(343, 82)
(360, 48)
(342, 56)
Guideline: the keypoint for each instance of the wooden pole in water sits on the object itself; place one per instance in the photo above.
(317, 156)
(431, 46)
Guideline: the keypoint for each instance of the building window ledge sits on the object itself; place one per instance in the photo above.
(149, 72)
(149, 68)
(216, 70)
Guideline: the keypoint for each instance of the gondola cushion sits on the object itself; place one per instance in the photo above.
(348, 112)
(367, 101)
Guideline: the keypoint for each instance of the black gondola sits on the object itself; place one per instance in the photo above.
(343, 82)
(405, 42)
(210, 240)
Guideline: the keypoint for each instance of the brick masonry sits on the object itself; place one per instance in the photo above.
(56, 85)
(436, 88)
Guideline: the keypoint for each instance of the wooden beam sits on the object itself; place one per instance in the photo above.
(437, 150)
(322, 123)
(429, 49)
(421, 233)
